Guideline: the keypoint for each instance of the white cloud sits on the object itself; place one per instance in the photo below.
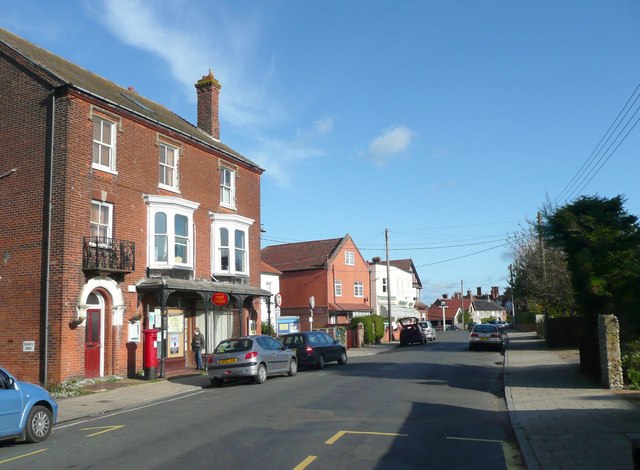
(389, 144)
(191, 40)
(191, 44)
(323, 126)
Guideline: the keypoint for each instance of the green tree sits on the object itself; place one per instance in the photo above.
(537, 287)
(602, 243)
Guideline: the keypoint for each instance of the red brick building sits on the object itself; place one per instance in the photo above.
(332, 271)
(116, 215)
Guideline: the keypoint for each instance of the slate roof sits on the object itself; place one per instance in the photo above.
(301, 256)
(408, 266)
(59, 72)
(487, 306)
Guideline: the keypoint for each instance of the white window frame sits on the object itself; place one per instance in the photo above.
(173, 184)
(338, 288)
(109, 146)
(227, 187)
(232, 223)
(384, 285)
(358, 289)
(349, 258)
(101, 223)
(171, 206)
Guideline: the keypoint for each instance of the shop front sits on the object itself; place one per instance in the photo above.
(175, 307)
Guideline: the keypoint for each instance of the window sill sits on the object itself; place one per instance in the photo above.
(169, 188)
(104, 169)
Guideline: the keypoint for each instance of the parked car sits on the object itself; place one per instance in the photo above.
(429, 330)
(315, 348)
(27, 411)
(486, 335)
(256, 356)
(411, 332)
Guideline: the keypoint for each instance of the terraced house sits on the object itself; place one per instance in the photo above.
(116, 216)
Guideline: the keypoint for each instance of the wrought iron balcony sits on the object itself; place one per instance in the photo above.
(108, 254)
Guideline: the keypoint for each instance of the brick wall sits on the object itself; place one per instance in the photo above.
(24, 141)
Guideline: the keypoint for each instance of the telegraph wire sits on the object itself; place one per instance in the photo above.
(569, 190)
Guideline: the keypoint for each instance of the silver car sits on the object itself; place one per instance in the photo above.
(486, 335)
(256, 356)
(428, 329)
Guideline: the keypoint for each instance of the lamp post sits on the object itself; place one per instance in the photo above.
(443, 305)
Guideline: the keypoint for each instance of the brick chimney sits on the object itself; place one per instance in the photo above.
(208, 89)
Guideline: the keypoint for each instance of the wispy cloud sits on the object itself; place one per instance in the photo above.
(182, 34)
(390, 144)
(175, 32)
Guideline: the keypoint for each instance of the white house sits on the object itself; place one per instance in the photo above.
(270, 280)
(401, 287)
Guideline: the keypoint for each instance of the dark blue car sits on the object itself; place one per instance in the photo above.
(27, 411)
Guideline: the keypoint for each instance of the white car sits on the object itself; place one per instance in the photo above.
(428, 328)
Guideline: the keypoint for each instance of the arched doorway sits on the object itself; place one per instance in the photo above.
(94, 336)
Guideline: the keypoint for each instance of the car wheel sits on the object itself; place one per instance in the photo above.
(261, 376)
(216, 382)
(343, 358)
(293, 368)
(38, 424)
(321, 362)
(472, 347)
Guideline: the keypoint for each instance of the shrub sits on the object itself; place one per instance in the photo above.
(373, 327)
(631, 363)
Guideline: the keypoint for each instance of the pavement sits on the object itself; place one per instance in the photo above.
(561, 418)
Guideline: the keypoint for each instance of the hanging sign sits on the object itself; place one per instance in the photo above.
(220, 299)
(278, 299)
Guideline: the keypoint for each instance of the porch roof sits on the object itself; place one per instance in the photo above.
(198, 285)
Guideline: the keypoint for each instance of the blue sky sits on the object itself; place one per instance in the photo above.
(449, 123)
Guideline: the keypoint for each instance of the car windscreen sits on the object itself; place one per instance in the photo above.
(485, 329)
(233, 345)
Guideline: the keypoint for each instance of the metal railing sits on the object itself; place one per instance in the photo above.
(108, 254)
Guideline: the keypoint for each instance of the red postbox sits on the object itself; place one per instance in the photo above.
(150, 354)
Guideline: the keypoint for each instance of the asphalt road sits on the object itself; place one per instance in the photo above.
(436, 405)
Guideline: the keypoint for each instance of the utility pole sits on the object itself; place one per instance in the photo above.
(386, 239)
(462, 304)
(544, 269)
(513, 302)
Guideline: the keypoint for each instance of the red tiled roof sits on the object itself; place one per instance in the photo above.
(267, 268)
(300, 256)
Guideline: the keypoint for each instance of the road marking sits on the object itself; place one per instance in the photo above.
(305, 463)
(104, 429)
(23, 456)
(339, 434)
(494, 441)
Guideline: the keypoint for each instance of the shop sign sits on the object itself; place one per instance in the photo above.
(220, 299)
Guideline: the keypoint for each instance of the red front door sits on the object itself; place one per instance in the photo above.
(92, 344)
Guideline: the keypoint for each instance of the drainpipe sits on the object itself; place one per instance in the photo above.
(45, 369)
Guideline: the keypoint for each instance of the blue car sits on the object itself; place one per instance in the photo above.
(27, 411)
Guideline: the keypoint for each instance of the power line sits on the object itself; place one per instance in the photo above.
(588, 166)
